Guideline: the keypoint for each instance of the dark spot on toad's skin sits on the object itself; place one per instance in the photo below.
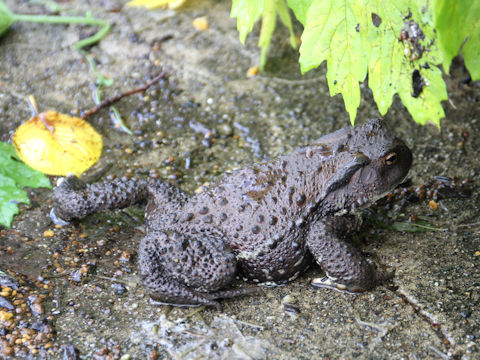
(208, 219)
(194, 262)
(188, 216)
(300, 200)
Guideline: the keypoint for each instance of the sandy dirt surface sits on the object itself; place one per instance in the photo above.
(78, 292)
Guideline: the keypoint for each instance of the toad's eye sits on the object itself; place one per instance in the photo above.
(391, 158)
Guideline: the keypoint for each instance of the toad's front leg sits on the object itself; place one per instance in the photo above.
(345, 266)
(188, 269)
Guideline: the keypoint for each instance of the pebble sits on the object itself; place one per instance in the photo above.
(125, 256)
(253, 71)
(120, 289)
(48, 233)
(201, 23)
(4, 315)
(7, 350)
(153, 355)
(37, 308)
(225, 130)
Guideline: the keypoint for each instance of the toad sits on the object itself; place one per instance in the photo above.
(266, 222)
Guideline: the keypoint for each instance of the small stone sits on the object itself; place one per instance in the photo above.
(37, 308)
(4, 315)
(225, 130)
(120, 289)
(153, 355)
(48, 233)
(200, 23)
(7, 350)
(125, 256)
(253, 71)
(103, 351)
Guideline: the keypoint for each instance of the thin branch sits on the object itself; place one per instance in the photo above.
(112, 100)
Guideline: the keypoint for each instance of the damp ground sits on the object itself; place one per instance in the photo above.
(74, 291)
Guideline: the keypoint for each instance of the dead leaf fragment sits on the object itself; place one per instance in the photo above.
(58, 144)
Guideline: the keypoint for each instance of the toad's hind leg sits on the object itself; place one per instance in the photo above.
(188, 269)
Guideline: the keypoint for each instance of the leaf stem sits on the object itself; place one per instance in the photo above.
(83, 20)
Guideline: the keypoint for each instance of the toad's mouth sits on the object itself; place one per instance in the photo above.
(365, 201)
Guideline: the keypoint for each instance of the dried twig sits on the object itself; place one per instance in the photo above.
(112, 100)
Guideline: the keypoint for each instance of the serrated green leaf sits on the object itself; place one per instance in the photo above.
(393, 39)
(456, 21)
(300, 8)
(247, 13)
(427, 106)
(393, 59)
(15, 175)
(331, 34)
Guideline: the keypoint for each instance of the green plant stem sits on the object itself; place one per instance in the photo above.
(46, 19)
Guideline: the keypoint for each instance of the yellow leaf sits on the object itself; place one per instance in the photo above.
(152, 4)
(58, 144)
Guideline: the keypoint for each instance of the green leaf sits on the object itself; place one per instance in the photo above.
(284, 15)
(22, 174)
(14, 175)
(395, 40)
(331, 34)
(7, 18)
(456, 21)
(269, 19)
(247, 13)
(300, 8)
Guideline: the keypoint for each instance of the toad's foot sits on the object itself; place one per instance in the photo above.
(189, 297)
(330, 283)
